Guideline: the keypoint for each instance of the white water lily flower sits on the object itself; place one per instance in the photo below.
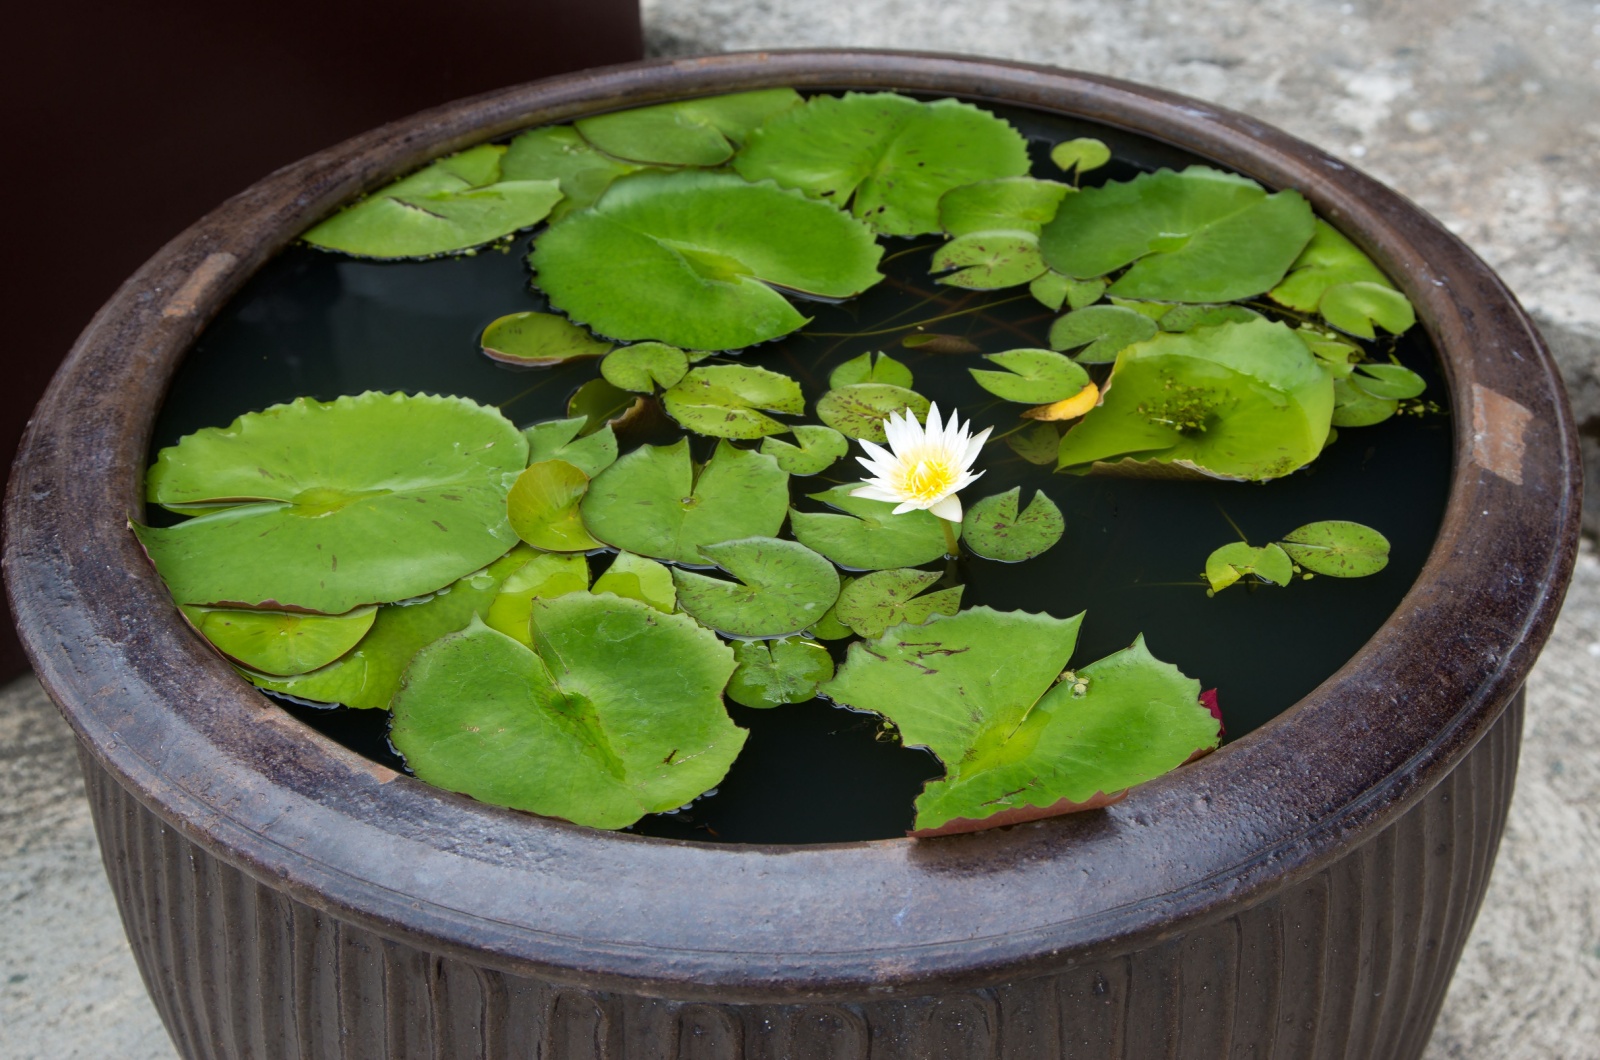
(924, 466)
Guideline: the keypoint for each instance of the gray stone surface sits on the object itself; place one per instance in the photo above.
(1487, 114)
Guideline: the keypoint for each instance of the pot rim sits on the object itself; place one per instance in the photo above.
(232, 773)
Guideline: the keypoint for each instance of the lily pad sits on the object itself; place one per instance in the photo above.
(1033, 377)
(1355, 407)
(883, 599)
(783, 588)
(544, 577)
(280, 643)
(828, 627)
(600, 404)
(1338, 548)
(560, 440)
(819, 449)
(692, 259)
(1356, 307)
(871, 368)
(454, 204)
(1199, 235)
(1037, 444)
(1243, 401)
(869, 536)
(539, 340)
(1054, 290)
(336, 504)
(652, 502)
(644, 366)
(543, 507)
(889, 157)
(1189, 317)
(691, 132)
(368, 676)
(1082, 154)
(993, 529)
(995, 228)
(639, 579)
(615, 713)
(723, 400)
(1388, 381)
(980, 691)
(558, 153)
(1332, 276)
(858, 410)
(774, 672)
(1231, 562)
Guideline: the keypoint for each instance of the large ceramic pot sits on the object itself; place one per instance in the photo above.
(1304, 892)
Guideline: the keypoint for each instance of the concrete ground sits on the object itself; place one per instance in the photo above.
(1487, 114)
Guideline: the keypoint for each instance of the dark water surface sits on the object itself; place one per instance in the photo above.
(316, 324)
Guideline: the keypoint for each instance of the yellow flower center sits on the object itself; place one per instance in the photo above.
(926, 479)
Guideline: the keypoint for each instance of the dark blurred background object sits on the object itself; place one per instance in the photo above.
(130, 121)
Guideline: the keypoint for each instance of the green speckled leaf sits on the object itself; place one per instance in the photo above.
(691, 132)
(1037, 444)
(280, 643)
(1102, 330)
(559, 440)
(774, 672)
(871, 368)
(545, 576)
(993, 529)
(543, 507)
(1033, 377)
(1231, 562)
(995, 228)
(723, 401)
(1338, 548)
(783, 588)
(644, 366)
(819, 449)
(859, 410)
(869, 536)
(878, 601)
(538, 340)
(639, 579)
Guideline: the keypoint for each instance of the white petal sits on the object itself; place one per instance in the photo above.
(975, 447)
(874, 492)
(876, 451)
(904, 507)
(903, 433)
(948, 509)
(931, 428)
(876, 469)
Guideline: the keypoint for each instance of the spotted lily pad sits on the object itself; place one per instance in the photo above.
(884, 599)
(783, 588)
(1338, 548)
(1231, 562)
(1031, 376)
(980, 691)
(691, 132)
(368, 676)
(1102, 330)
(889, 157)
(994, 227)
(560, 440)
(858, 410)
(819, 449)
(617, 708)
(333, 505)
(654, 502)
(774, 672)
(871, 368)
(639, 579)
(724, 401)
(993, 529)
(544, 577)
(539, 340)
(1199, 235)
(557, 152)
(454, 204)
(543, 507)
(869, 536)
(1037, 444)
(692, 259)
(280, 643)
(644, 366)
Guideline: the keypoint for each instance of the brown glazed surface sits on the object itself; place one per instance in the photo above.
(292, 819)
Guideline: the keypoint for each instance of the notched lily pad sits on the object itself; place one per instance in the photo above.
(1054, 290)
(544, 577)
(783, 588)
(1037, 444)
(1229, 563)
(557, 152)
(994, 226)
(1353, 406)
(539, 340)
(1338, 548)
(543, 507)
(1356, 307)
(644, 366)
(280, 643)
(871, 368)
(993, 529)
(883, 599)
(774, 672)
(599, 405)
(819, 448)
(1080, 155)
(1392, 381)
(869, 536)
(858, 410)
(1033, 377)
(615, 712)
(724, 401)
(561, 440)
(1333, 277)
(690, 132)
(639, 579)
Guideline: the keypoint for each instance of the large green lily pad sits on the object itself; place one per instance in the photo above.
(1199, 235)
(980, 691)
(859, 410)
(783, 587)
(993, 529)
(869, 536)
(615, 713)
(691, 132)
(543, 507)
(454, 204)
(725, 401)
(1102, 330)
(995, 227)
(886, 598)
(819, 448)
(692, 259)
(336, 504)
(774, 672)
(889, 157)
(539, 340)
(557, 152)
(280, 643)
(653, 501)
(1244, 401)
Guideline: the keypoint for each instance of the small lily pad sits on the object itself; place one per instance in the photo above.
(599, 404)
(1338, 548)
(1083, 154)
(783, 588)
(858, 410)
(875, 602)
(889, 157)
(871, 368)
(543, 507)
(723, 400)
(560, 440)
(870, 536)
(1231, 562)
(454, 204)
(993, 529)
(994, 225)
(639, 579)
(1036, 444)
(1033, 377)
(1353, 406)
(281, 643)
(774, 672)
(539, 340)
(1356, 307)
(653, 502)
(544, 577)
(819, 449)
(691, 132)
(1054, 290)
(557, 152)
(1332, 276)
(644, 366)
(618, 707)
(1388, 381)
